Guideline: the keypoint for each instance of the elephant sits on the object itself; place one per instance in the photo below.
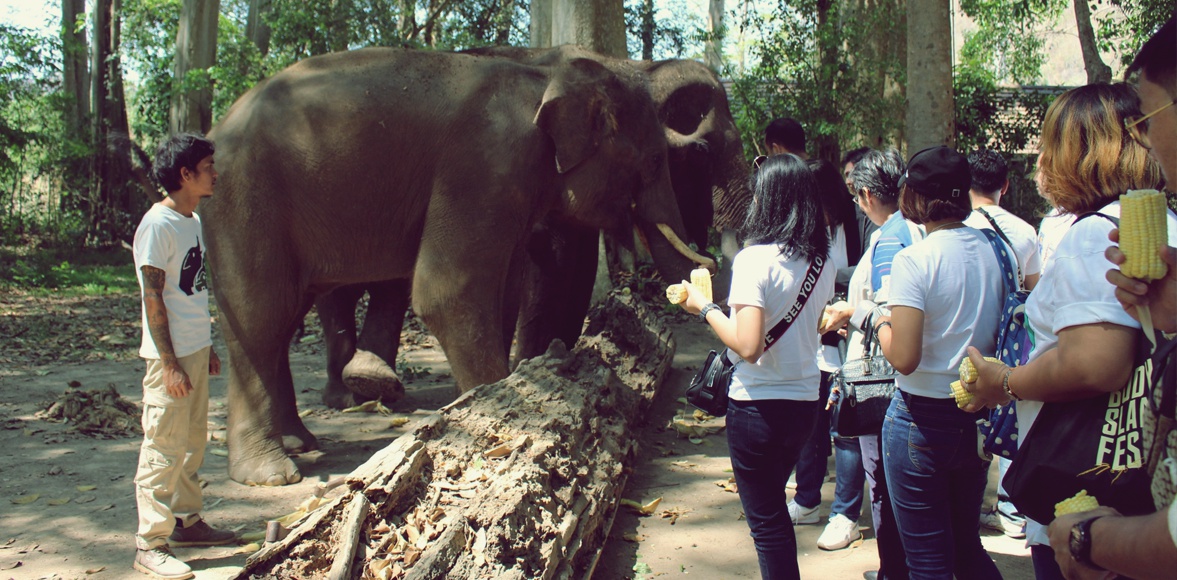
(709, 174)
(424, 168)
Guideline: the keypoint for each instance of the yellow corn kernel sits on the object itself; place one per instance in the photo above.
(968, 372)
(676, 293)
(701, 279)
(1143, 230)
(1080, 503)
(962, 396)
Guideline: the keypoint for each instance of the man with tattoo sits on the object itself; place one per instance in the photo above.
(177, 347)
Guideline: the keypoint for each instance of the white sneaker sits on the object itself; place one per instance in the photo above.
(803, 515)
(160, 562)
(839, 533)
(991, 521)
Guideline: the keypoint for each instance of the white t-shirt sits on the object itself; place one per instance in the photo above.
(1050, 232)
(762, 277)
(1021, 236)
(173, 242)
(952, 276)
(829, 359)
(859, 293)
(1074, 292)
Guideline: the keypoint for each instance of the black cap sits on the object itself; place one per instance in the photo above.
(939, 172)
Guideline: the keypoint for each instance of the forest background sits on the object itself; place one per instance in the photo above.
(87, 84)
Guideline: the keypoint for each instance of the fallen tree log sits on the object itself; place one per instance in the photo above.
(517, 479)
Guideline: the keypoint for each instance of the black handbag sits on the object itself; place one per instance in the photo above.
(1099, 444)
(708, 389)
(865, 388)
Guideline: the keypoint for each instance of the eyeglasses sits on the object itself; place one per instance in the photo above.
(1138, 128)
(760, 159)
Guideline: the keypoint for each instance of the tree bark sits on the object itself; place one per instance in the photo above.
(713, 49)
(257, 30)
(541, 23)
(825, 146)
(111, 201)
(646, 32)
(1097, 71)
(196, 50)
(598, 25)
(517, 479)
(930, 114)
(75, 69)
(408, 19)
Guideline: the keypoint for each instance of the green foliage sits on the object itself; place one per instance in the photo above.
(54, 272)
(671, 29)
(1130, 23)
(407, 372)
(1006, 43)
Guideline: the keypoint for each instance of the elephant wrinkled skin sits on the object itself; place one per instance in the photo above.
(423, 168)
(709, 175)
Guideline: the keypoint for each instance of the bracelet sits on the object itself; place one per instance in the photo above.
(886, 323)
(1005, 384)
(707, 309)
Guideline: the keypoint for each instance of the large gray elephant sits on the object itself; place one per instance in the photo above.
(429, 169)
(709, 174)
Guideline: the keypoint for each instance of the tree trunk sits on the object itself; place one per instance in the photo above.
(598, 25)
(713, 50)
(196, 50)
(112, 202)
(257, 30)
(506, 16)
(930, 115)
(1097, 71)
(408, 19)
(517, 479)
(75, 69)
(646, 32)
(825, 145)
(541, 23)
(340, 16)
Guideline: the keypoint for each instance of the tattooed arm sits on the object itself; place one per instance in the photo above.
(176, 381)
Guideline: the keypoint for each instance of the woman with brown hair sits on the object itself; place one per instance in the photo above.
(1084, 342)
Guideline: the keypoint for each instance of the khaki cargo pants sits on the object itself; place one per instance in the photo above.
(175, 432)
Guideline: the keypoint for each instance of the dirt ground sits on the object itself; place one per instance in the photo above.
(67, 506)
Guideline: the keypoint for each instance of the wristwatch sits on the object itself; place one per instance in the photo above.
(1081, 543)
(707, 308)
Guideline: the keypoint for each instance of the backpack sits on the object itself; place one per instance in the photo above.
(1000, 430)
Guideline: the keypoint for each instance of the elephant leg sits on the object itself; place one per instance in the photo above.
(557, 289)
(337, 313)
(371, 373)
(260, 316)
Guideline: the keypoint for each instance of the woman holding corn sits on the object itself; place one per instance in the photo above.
(1084, 342)
(946, 293)
(773, 393)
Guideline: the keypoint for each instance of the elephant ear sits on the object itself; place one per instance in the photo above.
(576, 111)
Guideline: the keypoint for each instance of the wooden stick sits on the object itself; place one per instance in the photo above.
(357, 512)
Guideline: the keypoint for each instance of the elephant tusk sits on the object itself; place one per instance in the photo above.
(685, 250)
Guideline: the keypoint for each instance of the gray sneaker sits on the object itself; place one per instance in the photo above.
(160, 562)
(199, 534)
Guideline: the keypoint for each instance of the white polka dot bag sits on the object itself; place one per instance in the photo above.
(1014, 342)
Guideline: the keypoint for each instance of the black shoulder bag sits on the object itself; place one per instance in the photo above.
(708, 390)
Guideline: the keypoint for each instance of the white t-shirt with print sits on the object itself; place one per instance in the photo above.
(763, 277)
(952, 276)
(1074, 292)
(829, 359)
(1021, 236)
(174, 243)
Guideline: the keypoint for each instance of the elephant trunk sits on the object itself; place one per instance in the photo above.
(684, 249)
(676, 140)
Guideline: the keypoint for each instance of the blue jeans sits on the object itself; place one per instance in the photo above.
(811, 467)
(892, 559)
(765, 439)
(936, 480)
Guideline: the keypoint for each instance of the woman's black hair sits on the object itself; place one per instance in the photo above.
(879, 172)
(786, 208)
(839, 206)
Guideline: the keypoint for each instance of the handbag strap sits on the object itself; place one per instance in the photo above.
(1011, 284)
(807, 285)
(1005, 239)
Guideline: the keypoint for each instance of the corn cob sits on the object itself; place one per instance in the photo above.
(1080, 503)
(1143, 225)
(676, 293)
(962, 396)
(701, 279)
(968, 372)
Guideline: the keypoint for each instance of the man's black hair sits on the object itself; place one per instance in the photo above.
(183, 150)
(989, 170)
(1157, 59)
(787, 208)
(786, 132)
(879, 171)
(854, 155)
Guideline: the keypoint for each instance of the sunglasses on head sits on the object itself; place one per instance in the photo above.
(758, 161)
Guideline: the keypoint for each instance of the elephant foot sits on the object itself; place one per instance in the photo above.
(270, 468)
(338, 397)
(299, 441)
(369, 376)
